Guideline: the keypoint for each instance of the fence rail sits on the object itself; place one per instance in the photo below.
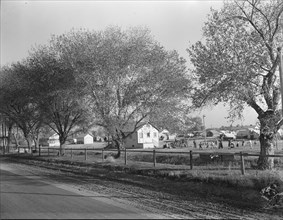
(224, 156)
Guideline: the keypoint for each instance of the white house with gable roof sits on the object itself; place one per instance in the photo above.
(145, 136)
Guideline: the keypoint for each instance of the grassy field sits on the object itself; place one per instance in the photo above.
(174, 156)
(179, 158)
(189, 145)
(174, 163)
(94, 145)
(174, 167)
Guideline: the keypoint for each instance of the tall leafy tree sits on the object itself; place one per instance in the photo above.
(16, 101)
(127, 75)
(58, 94)
(176, 119)
(237, 63)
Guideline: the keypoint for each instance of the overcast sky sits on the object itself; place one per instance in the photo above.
(175, 24)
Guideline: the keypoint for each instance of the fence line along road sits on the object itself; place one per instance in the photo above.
(205, 155)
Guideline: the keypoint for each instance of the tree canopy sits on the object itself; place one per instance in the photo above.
(113, 78)
(127, 75)
(16, 101)
(58, 93)
(39, 91)
(238, 63)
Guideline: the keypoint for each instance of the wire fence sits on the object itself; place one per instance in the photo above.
(187, 159)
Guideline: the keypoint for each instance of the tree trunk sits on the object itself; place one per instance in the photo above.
(268, 131)
(266, 148)
(118, 145)
(29, 142)
(36, 142)
(16, 140)
(9, 138)
(62, 139)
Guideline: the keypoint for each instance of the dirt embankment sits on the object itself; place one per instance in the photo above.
(175, 198)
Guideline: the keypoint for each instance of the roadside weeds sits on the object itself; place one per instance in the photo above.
(209, 187)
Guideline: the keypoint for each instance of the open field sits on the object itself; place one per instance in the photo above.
(189, 145)
(245, 147)
(221, 161)
(174, 161)
(94, 145)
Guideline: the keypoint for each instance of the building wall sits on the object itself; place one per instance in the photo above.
(132, 141)
(145, 137)
(88, 139)
(54, 141)
(80, 140)
(148, 136)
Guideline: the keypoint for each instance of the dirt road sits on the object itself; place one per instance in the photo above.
(29, 197)
(163, 197)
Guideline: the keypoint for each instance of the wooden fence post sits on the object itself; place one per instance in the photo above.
(71, 153)
(125, 156)
(85, 154)
(48, 151)
(242, 163)
(154, 158)
(191, 159)
(102, 154)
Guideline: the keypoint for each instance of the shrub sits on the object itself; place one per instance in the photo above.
(264, 178)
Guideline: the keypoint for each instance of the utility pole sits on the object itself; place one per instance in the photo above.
(281, 75)
(204, 129)
(281, 63)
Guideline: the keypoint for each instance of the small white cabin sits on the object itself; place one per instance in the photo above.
(53, 141)
(84, 139)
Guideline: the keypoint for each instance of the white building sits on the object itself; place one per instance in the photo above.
(53, 141)
(84, 139)
(145, 136)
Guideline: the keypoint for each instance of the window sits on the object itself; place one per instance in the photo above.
(155, 134)
(141, 135)
(148, 134)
